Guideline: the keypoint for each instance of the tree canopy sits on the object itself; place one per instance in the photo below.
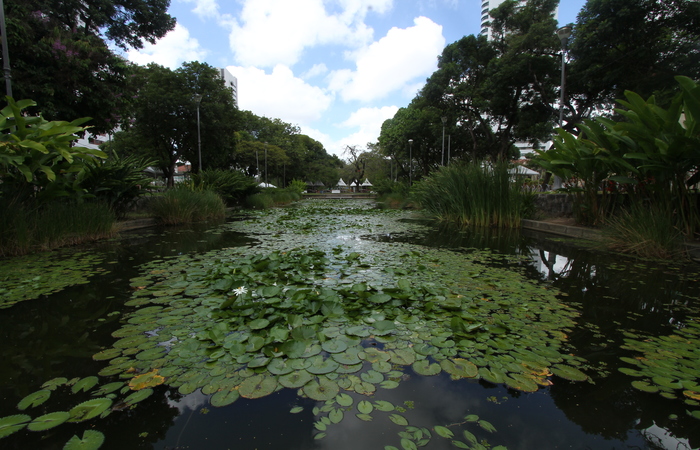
(635, 45)
(164, 124)
(60, 57)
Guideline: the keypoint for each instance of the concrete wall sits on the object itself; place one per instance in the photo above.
(557, 205)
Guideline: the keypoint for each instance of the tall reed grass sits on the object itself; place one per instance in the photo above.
(474, 194)
(25, 228)
(183, 205)
(272, 197)
(646, 230)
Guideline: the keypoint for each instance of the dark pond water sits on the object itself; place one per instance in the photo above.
(56, 334)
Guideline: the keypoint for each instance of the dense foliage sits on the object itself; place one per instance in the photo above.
(60, 56)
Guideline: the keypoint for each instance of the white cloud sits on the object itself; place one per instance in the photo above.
(369, 121)
(392, 63)
(279, 94)
(205, 8)
(271, 32)
(316, 70)
(171, 51)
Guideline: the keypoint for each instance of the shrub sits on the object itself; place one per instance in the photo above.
(259, 201)
(183, 205)
(232, 186)
(118, 182)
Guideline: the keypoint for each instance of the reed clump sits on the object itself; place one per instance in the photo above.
(474, 194)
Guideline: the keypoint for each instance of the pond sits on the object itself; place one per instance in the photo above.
(334, 324)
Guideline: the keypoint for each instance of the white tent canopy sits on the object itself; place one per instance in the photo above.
(522, 170)
(266, 185)
(341, 183)
(366, 182)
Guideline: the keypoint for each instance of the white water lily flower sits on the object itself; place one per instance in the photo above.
(240, 291)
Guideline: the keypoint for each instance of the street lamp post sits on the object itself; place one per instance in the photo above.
(198, 99)
(266, 185)
(5, 52)
(444, 121)
(564, 33)
(410, 162)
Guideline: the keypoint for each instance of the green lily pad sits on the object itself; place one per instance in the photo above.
(365, 407)
(138, 396)
(425, 368)
(11, 424)
(321, 390)
(320, 366)
(48, 421)
(295, 379)
(398, 419)
(372, 376)
(644, 386)
(89, 409)
(568, 372)
(460, 368)
(444, 431)
(334, 346)
(257, 386)
(336, 415)
(279, 366)
(224, 398)
(34, 399)
(520, 382)
(344, 400)
(91, 440)
(85, 384)
(109, 353)
(383, 405)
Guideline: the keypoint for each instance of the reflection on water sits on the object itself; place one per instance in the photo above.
(56, 336)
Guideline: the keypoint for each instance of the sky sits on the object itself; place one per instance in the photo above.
(336, 68)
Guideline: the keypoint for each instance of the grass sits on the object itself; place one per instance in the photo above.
(183, 205)
(25, 229)
(474, 194)
(648, 231)
(272, 197)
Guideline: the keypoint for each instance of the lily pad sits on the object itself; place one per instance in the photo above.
(295, 379)
(11, 424)
(223, 398)
(334, 346)
(321, 390)
(257, 386)
(568, 372)
(48, 421)
(89, 409)
(91, 440)
(138, 396)
(425, 368)
(34, 399)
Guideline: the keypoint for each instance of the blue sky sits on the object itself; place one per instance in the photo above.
(335, 68)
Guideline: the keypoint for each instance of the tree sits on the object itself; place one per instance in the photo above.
(493, 93)
(61, 61)
(636, 45)
(165, 118)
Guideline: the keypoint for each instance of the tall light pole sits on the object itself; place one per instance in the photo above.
(564, 34)
(266, 185)
(449, 144)
(198, 99)
(410, 162)
(5, 52)
(444, 121)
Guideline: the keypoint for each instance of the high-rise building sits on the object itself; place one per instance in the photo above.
(231, 82)
(487, 6)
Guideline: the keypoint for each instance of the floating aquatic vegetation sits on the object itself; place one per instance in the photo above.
(667, 364)
(29, 277)
(316, 308)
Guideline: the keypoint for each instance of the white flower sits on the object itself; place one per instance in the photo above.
(240, 291)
